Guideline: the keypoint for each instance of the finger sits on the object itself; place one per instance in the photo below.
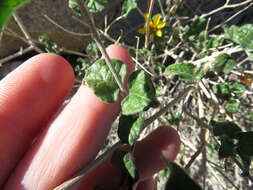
(29, 96)
(164, 141)
(71, 141)
(148, 184)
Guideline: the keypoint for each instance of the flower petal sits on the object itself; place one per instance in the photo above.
(156, 19)
(145, 15)
(159, 33)
(161, 25)
(142, 31)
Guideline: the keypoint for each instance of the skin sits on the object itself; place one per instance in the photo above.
(42, 143)
(164, 141)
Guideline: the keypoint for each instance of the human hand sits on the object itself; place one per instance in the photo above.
(43, 144)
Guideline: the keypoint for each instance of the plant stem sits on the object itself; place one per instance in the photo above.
(15, 55)
(181, 96)
(151, 6)
(87, 17)
(25, 32)
(226, 6)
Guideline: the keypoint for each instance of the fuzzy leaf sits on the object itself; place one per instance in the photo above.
(178, 179)
(92, 5)
(226, 88)
(99, 77)
(224, 63)
(124, 127)
(128, 5)
(141, 93)
(242, 35)
(184, 70)
(225, 128)
(129, 128)
(135, 130)
(129, 164)
(245, 143)
(50, 45)
(6, 8)
(192, 30)
(215, 42)
(226, 148)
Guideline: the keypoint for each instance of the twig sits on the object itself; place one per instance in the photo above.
(67, 185)
(15, 55)
(147, 71)
(181, 96)
(90, 21)
(64, 50)
(64, 29)
(242, 168)
(212, 57)
(194, 156)
(1, 34)
(10, 32)
(220, 171)
(226, 6)
(25, 32)
(231, 17)
(151, 6)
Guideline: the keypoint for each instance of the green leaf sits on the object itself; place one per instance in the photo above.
(141, 93)
(186, 71)
(245, 143)
(233, 106)
(192, 30)
(129, 128)
(92, 49)
(128, 5)
(6, 8)
(227, 88)
(99, 77)
(129, 164)
(173, 119)
(135, 130)
(215, 42)
(124, 127)
(178, 179)
(92, 5)
(237, 88)
(50, 45)
(74, 6)
(224, 63)
(241, 35)
(226, 148)
(221, 88)
(227, 128)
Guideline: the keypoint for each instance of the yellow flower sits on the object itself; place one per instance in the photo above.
(155, 25)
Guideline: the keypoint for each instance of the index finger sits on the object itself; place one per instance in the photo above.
(29, 96)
